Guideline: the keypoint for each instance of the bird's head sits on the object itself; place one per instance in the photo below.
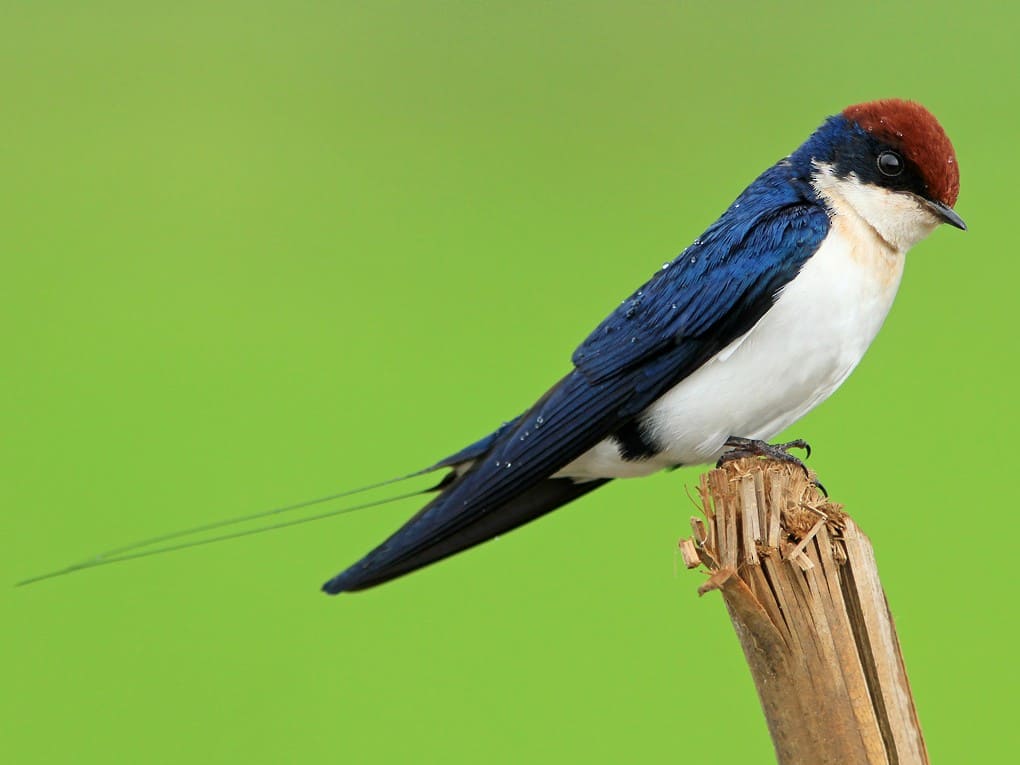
(890, 163)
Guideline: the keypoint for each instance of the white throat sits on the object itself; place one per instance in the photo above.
(898, 218)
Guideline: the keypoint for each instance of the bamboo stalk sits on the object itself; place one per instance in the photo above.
(801, 586)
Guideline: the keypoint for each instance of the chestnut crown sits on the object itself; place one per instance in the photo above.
(913, 151)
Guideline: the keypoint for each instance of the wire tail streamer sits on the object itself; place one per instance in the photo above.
(136, 549)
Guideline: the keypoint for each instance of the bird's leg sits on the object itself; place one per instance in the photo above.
(751, 447)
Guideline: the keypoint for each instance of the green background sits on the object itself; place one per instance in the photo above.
(259, 252)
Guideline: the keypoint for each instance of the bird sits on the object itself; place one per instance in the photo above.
(749, 328)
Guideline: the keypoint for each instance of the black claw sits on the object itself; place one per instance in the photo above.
(818, 485)
(749, 447)
(799, 443)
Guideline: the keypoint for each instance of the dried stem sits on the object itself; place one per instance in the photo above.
(801, 586)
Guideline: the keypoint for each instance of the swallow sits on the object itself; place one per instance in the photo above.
(741, 334)
(744, 332)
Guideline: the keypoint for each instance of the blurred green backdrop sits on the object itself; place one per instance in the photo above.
(258, 252)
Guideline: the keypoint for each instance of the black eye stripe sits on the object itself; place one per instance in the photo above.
(877, 162)
(890, 163)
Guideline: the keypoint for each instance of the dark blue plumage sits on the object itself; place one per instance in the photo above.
(633, 404)
(744, 332)
(709, 295)
(718, 287)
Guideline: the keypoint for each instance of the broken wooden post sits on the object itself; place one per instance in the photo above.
(801, 585)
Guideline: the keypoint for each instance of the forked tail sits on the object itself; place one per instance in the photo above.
(441, 529)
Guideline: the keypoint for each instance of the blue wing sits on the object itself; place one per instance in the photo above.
(717, 288)
(709, 295)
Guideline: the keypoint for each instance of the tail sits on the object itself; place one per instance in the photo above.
(171, 541)
(422, 540)
(158, 545)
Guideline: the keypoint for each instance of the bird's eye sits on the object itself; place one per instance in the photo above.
(890, 163)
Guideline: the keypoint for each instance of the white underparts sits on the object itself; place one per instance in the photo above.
(801, 350)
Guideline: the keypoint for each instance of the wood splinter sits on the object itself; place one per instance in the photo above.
(801, 586)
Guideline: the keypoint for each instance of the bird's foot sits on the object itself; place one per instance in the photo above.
(751, 447)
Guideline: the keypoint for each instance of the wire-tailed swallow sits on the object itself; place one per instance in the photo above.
(744, 332)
